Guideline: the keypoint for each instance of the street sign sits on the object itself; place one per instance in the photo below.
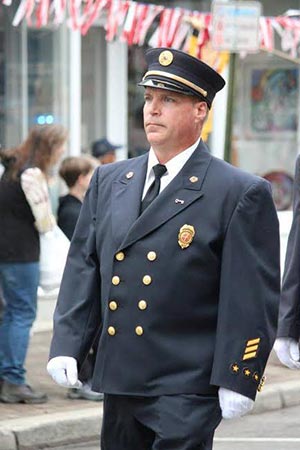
(235, 26)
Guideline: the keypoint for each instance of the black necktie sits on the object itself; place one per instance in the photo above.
(153, 190)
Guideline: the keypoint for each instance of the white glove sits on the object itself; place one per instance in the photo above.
(233, 404)
(287, 351)
(63, 370)
(34, 185)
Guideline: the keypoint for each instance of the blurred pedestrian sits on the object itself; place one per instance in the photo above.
(25, 212)
(76, 171)
(104, 151)
(288, 334)
(175, 258)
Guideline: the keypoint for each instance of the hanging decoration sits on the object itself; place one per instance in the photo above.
(132, 22)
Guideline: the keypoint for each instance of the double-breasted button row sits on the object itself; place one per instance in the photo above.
(147, 279)
(113, 305)
(142, 304)
(151, 256)
(138, 330)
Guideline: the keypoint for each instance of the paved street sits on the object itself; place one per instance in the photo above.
(279, 430)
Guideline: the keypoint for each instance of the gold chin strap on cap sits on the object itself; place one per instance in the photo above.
(176, 78)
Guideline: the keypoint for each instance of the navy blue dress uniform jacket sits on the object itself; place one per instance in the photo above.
(289, 312)
(173, 319)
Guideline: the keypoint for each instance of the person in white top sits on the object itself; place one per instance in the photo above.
(25, 214)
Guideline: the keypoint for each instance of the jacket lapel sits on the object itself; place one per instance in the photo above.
(126, 197)
(183, 190)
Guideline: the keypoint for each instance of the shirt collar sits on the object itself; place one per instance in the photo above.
(175, 164)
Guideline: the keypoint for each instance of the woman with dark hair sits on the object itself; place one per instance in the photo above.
(25, 212)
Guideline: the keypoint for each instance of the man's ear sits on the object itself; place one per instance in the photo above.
(201, 111)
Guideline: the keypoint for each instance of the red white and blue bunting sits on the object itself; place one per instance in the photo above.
(131, 21)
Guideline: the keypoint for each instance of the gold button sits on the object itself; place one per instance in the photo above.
(111, 331)
(113, 305)
(142, 304)
(147, 279)
(151, 256)
(139, 331)
(120, 256)
(115, 280)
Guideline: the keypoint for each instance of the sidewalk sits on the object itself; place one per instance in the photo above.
(64, 421)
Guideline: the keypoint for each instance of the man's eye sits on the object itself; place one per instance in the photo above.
(169, 99)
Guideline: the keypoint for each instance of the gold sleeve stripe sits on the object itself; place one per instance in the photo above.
(249, 355)
(253, 341)
(251, 349)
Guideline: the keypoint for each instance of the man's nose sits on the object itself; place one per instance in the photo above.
(154, 107)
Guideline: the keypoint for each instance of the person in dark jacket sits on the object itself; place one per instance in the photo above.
(288, 334)
(175, 258)
(104, 151)
(76, 171)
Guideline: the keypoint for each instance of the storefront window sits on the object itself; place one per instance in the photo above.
(33, 78)
(265, 130)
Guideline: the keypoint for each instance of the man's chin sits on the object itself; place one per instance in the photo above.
(154, 138)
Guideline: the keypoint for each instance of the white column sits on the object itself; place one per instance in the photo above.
(219, 119)
(117, 91)
(75, 94)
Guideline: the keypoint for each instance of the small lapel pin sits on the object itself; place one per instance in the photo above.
(178, 200)
(129, 175)
(194, 179)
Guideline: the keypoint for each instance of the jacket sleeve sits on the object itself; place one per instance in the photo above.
(289, 311)
(77, 317)
(249, 293)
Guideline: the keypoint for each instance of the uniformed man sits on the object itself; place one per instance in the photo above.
(288, 333)
(176, 259)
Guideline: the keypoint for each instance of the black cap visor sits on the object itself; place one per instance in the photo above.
(162, 83)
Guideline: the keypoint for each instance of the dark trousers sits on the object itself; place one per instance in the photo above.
(168, 422)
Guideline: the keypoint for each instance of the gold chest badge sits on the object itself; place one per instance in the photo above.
(186, 235)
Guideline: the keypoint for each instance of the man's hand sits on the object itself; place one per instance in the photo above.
(287, 351)
(63, 370)
(233, 404)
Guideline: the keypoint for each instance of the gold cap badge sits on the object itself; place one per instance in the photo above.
(186, 235)
(165, 58)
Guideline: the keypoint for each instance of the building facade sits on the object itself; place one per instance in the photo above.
(53, 74)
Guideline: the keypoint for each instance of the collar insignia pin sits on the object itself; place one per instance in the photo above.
(129, 175)
(194, 179)
(178, 200)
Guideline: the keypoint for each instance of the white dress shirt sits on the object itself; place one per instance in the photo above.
(173, 166)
